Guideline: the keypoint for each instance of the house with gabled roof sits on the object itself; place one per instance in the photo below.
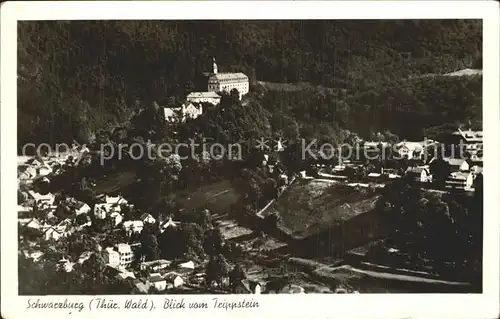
(168, 223)
(39, 198)
(247, 286)
(34, 224)
(158, 281)
(116, 217)
(147, 218)
(77, 206)
(133, 226)
(53, 233)
(155, 265)
(118, 200)
(141, 287)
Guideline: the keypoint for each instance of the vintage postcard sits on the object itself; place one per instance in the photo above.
(250, 159)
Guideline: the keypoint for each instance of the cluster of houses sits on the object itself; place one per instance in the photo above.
(463, 170)
(44, 217)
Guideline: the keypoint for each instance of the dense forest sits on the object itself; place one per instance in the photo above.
(77, 77)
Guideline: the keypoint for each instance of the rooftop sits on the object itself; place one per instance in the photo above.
(194, 95)
(123, 248)
(228, 76)
(156, 278)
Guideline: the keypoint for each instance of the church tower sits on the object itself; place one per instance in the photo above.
(214, 71)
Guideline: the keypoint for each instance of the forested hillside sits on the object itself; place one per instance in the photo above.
(77, 77)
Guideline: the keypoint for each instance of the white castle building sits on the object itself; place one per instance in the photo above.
(219, 82)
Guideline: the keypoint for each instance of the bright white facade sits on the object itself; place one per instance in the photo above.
(180, 114)
(134, 226)
(219, 82)
(204, 97)
(126, 254)
(111, 257)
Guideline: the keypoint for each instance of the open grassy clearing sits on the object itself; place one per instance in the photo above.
(115, 183)
(218, 197)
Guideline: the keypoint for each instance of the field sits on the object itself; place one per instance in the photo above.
(115, 183)
(218, 197)
(311, 205)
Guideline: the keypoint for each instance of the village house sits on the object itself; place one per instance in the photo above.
(168, 223)
(84, 256)
(147, 218)
(39, 198)
(247, 286)
(155, 265)
(292, 289)
(118, 200)
(140, 286)
(187, 265)
(43, 170)
(35, 161)
(173, 114)
(133, 226)
(53, 233)
(34, 255)
(174, 279)
(100, 211)
(458, 164)
(183, 112)
(82, 221)
(26, 172)
(158, 281)
(413, 150)
(419, 173)
(410, 150)
(116, 218)
(111, 257)
(126, 254)
(65, 265)
(471, 177)
(125, 275)
(33, 223)
(473, 140)
(65, 225)
(191, 111)
(77, 206)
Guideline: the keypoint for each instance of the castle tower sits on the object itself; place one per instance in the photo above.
(214, 67)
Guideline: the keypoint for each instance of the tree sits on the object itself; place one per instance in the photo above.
(171, 243)
(271, 222)
(217, 269)
(440, 171)
(191, 240)
(213, 241)
(150, 247)
(236, 275)
(270, 188)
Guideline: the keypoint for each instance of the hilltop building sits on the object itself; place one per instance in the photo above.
(219, 82)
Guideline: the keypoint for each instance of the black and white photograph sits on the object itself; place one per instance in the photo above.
(249, 157)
